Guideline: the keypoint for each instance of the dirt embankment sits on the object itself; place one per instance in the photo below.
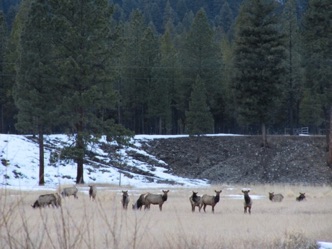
(241, 159)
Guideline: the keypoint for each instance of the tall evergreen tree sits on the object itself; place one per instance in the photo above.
(317, 39)
(83, 43)
(162, 105)
(3, 90)
(35, 87)
(259, 55)
(200, 56)
(293, 84)
(199, 118)
(10, 69)
(132, 89)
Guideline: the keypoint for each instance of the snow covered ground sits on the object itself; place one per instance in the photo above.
(19, 157)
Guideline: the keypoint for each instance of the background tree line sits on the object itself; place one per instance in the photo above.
(164, 67)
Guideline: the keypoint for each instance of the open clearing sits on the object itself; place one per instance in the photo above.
(82, 223)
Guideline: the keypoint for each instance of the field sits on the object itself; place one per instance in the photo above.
(81, 223)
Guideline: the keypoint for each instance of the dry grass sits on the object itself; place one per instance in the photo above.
(82, 223)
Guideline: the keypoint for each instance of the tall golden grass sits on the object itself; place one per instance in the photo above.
(81, 223)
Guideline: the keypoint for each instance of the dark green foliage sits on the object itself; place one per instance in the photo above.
(199, 119)
(317, 39)
(200, 56)
(293, 79)
(83, 38)
(3, 87)
(35, 88)
(259, 55)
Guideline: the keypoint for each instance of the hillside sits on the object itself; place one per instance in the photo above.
(241, 159)
(170, 160)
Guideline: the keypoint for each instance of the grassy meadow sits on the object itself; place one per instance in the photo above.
(81, 223)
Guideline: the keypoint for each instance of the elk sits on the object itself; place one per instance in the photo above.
(275, 197)
(92, 192)
(210, 200)
(140, 202)
(66, 192)
(301, 197)
(125, 199)
(195, 201)
(156, 199)
(48, 199)
(247, 201)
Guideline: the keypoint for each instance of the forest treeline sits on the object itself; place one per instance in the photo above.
(164, 67)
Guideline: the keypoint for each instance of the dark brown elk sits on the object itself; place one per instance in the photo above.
(140, 202)
(210, 200)
(92, 192)
(275, 197)
(195, 201)
(247, 201)
(125, 199)
(156, 199)
(301, 197)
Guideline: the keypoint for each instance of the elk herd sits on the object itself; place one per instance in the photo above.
(148, 199)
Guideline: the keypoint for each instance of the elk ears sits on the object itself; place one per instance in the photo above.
(218, 192)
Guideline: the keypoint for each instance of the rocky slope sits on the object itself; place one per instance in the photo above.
(241, 159)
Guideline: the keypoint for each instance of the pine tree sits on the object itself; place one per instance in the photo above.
(200, 56)
(3, 90)
(83, 44)
(165, 73)
(10, 69)
(199, 119)
(35, 87)
(259, 54)
(317, 39)
(293, 84)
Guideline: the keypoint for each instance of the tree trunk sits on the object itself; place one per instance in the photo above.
(329, 132)
(264, 136)
(41, 156)
(80, 154)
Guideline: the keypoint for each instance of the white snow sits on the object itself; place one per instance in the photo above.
(21, 156)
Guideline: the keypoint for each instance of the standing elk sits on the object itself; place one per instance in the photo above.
(92, 192)
(275, 197)
(156, 199)
(140, 202)
(195, 201)
(301, 197)
(247, 201)
(209, 200)
(125, 199)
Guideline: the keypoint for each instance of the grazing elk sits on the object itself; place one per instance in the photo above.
(156, 199)
(66, 192)
(46, 200)
(301, 197)
(140, 201)
(275, 197)
(209, 200)
(247, 201)
(92, 192)
(125, 199)
(195, 201)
